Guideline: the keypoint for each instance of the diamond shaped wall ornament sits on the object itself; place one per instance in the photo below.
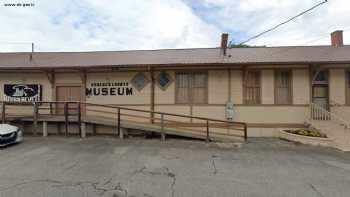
(164, 80)
(139, 81)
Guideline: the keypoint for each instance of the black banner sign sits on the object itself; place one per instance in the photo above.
(22, 92)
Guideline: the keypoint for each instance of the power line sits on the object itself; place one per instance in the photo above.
(317, 38)
(283, 23)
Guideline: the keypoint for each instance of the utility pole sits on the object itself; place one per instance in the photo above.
(31, 55)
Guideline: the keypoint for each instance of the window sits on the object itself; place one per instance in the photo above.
(252, 89)
(348, 87)
(191, 88)
(139, 81)
(320, 88)
(164, 80)
(320, 77)
(283, 87)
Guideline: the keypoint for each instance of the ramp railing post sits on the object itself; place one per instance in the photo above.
(245, 132)
(66, 117)
(162, 127)
(3, 113)
(83, 130)
(45, 132)
(118, 122)
(51, 112)
(207, 138)
(35, 117)
(79, 119)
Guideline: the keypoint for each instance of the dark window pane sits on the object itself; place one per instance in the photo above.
(139, 81)
(164, 80)
(283, 93)
(182, 91)
(252, 87)
(322, 76)
(191, 88)
(320, 92)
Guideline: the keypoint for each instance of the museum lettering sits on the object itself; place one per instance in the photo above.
(109, 91)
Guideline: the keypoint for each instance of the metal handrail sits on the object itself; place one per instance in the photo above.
(324, 114)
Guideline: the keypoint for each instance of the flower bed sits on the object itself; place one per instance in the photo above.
(306, 132)
(306, 137)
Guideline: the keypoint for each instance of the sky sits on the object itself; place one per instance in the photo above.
(111, 25)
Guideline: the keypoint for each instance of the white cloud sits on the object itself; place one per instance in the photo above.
(105, 25)
(85, 25)
(255, 16)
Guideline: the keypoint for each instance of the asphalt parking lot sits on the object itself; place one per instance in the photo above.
(104, 166)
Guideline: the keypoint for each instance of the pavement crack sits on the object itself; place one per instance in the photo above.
(173, 186)
(121, 189)
(103, 190)
(55, 183)
(214, 166)
(148, 195)
(164, 172)
(108, 181)
(316, 190)
(138, 171)
(72, 166)
(173, 177)
(30, 182)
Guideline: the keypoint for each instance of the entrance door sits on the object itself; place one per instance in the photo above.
(320, 91)
(68, 93)
(320, 95)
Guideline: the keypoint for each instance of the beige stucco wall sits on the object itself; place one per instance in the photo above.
(256, 114)
(271, 114)
(217, 87)
(267, 87)
(214, 112)
(174, 109)
(67, 78)
(337, 83)
(301, 86)
(237, 86)
(138, 97)
(165, 96)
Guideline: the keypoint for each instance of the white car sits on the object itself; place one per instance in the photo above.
(10, 134)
